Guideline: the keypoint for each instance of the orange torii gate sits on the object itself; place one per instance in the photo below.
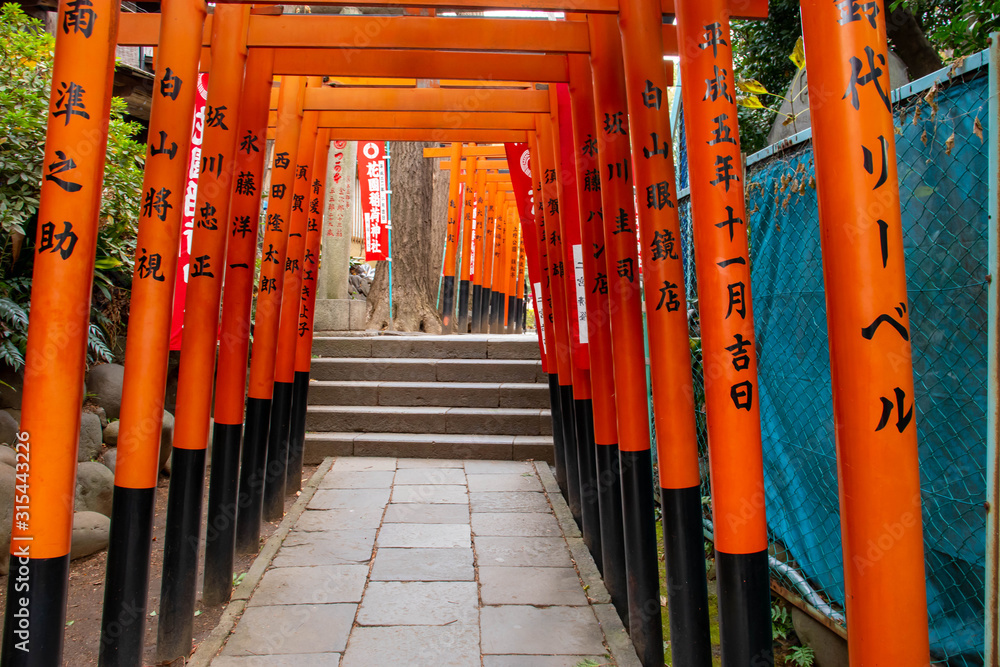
(602, 136)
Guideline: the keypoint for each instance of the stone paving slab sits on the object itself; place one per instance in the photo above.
(304, 628)
(515, 524)
(340, 519)
(316, 585)
(440, 475)
(525, 481)
(509, 501)
(426, 513)
(328, 499)
(541, 660)
(420, 603)
(292, 660)
(516, 630)
(439, 577)
(523, 552)
(427, 535)
(335, 547)
(430, 493)
(409, 564)
(451, 646)
(541, 586)
(350, 479)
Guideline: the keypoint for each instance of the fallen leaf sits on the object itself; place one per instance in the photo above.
(949, 143)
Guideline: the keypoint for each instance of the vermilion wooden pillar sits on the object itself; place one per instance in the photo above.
(729, 354)
(272, 274)
(562, 347)
(468, 202)
(867, 317)
(617, 178)
(126, 585)
(478, 251)
(201, 329)
(607, 489)
(667, 329)
(451, 241)
(56, 358)
(284, 361)
(304, 327)
(243, 222)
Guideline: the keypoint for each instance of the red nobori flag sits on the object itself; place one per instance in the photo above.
(373, 177)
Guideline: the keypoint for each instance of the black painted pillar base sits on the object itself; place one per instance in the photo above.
(220, 537)
(496, 312)
(744, 590)
(559, 447)
(609, 499)
(179, 586)
(477, 308)
(487, 300)
(511, 303)
(463, 307)
(126, 582)
(251, 488)
(33, 632)
(277, 452)
(297, 432)
(589, 511)
(641, 560)
(519, 316)
(572, 449)
(687, 587)
(447, 302)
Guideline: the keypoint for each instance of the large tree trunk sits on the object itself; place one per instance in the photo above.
(415, 250)
(910, 44)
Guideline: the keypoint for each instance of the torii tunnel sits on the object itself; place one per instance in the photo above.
(585, 96)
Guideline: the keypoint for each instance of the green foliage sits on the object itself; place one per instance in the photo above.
(781, 619)
(26, 53)
(961, 27)
(759, 54)
(801, 656)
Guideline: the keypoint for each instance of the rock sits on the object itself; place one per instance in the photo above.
(111, 434)
(11, 386)
(166, 438)
(7, 481)
(91, 533)
(105, 384)
(110, 459)
(8, 428)
(830, 648)
(91, 438)
(94, 488)
(15, 413)
(103, 416)
(8, 456)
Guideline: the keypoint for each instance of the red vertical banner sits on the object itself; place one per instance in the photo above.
(372, 174)
(187, 215)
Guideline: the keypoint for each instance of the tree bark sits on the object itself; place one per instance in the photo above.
(415, 250)
(910, 44)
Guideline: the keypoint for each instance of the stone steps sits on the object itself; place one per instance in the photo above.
(427, 445)
(451, 394)
(468, 397)
(428, 419)
(427, 370)
(436, 347)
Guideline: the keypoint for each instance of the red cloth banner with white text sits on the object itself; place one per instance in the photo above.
(519, 164)
(187, 215)
(371, 174)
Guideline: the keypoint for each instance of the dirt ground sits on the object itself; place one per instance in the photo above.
(86, 590)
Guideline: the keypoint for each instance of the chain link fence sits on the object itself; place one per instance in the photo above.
(942, 157)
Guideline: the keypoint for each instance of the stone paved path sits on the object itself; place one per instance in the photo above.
(423, 563)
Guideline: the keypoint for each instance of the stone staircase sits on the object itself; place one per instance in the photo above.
(424, 396)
